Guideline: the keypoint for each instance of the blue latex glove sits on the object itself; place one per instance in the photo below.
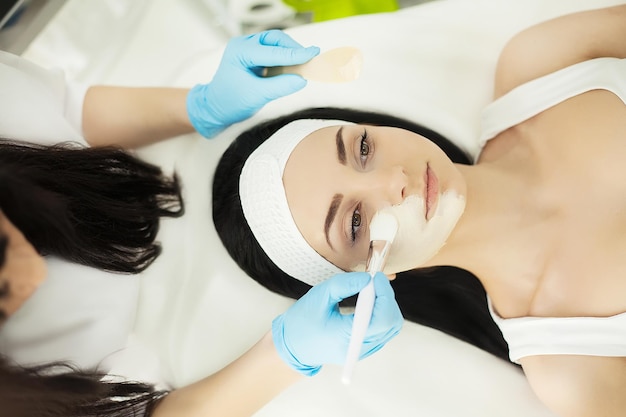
(313, 332)
(237, 90)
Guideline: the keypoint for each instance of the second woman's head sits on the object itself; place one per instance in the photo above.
(301, 201)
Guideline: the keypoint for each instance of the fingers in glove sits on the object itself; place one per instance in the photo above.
(345, 285)
(281, 85)
(277, 37)
(258, 54)
(386, 317)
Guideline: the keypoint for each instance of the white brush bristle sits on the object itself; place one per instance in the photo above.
(384, 226)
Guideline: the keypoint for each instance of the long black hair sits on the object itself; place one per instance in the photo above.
(446, 298)
(98, 207)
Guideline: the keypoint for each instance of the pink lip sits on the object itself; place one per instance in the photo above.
(432, 192)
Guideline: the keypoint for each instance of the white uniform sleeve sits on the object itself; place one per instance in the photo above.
(78, 314)
(38, 105)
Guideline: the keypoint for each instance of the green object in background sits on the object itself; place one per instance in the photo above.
(333, 9)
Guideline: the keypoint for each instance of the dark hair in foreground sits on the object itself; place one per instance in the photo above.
(98, 207)
(57, 390)
(445, 298)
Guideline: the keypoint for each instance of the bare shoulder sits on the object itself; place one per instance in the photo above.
(579, 386)
(561, 42)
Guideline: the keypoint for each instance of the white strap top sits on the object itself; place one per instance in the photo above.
(592, 336)
(529, 336)
(530, 99)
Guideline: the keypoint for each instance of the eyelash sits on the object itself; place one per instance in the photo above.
(354, 229)
(357, 218)
(364, 143)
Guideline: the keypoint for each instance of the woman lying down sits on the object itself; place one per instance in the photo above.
(539, 218)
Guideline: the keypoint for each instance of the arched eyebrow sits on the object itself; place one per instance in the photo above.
(341, 148)
(330, 217)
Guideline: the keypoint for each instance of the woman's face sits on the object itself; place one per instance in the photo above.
(21, 271)
(337, 178)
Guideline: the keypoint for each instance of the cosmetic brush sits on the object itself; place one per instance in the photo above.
(383, 229)
(334, 66)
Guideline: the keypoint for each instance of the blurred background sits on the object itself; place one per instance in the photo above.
(135, 42)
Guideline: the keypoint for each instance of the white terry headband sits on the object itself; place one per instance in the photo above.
(265, 206)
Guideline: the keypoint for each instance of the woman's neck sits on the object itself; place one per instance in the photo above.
(501, 218)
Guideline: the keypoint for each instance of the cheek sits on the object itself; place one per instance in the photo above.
(408, 241)
(418, 240)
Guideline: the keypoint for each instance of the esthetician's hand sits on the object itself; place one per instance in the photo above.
(238, 90)
(313, 332)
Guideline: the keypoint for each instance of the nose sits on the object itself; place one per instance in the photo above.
(386, 185)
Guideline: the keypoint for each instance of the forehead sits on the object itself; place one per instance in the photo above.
(309, 186)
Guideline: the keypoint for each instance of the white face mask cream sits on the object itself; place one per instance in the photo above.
(418, 239)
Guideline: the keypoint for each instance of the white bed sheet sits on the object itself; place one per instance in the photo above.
(433, 64)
